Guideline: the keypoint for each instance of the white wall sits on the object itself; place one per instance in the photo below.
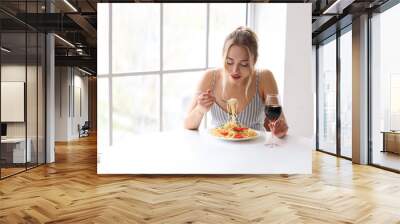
(270, 26)
(298, 87)
(298, 84)
(12, 73)
(285, 48)
(69, 85)
(81, 84)
(61, 103)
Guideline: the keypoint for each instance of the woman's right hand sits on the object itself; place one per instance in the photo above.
(205, 100)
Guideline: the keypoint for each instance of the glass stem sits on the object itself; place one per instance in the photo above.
(272, 135)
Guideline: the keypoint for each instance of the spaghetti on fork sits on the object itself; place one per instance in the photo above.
(232, 129)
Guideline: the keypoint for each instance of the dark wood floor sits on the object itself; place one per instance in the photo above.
(70, 191)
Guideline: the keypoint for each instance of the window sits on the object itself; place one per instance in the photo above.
(177, 95)
(385, 88)
(394, 101)
(135, 38)
(327, 96)
(184, 36)
(22, 65)
(158, 53)
(346, 94)
(221, 23)
(135, 105)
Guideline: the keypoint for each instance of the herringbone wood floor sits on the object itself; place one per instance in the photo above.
(70, 191)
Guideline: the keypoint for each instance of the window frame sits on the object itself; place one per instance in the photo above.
(249, 21)
(334, 37)
(40, 60)
(379, 10)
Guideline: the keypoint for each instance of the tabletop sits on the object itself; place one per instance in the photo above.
(198, 152)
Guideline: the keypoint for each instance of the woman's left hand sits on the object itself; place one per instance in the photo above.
(279, 128)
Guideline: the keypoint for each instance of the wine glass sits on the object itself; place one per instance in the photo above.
(273, 111)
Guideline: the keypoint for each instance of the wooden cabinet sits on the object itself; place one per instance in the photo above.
(391, 141)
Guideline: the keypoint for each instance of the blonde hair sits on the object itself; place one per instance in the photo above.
(246, 38)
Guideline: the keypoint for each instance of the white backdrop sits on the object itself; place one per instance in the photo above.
(298, 84)
(285, 49)
(130, 96)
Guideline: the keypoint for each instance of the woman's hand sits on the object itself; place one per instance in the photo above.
(205, 100)
(279, 128)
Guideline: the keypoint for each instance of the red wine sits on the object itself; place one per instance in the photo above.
(273, 112)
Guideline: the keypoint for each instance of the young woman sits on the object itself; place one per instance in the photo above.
(238, 79)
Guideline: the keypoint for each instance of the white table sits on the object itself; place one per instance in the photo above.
(18, 149)
(193, 152)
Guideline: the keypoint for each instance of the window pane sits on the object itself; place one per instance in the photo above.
(31, 100)
(103, 38)
(346, 94)
(394, 101)
(178, 92)
(184, 36)
(327, 97)
(136, 106)
(224, 18)
(13, 87)
(136, 37)
(385, 88)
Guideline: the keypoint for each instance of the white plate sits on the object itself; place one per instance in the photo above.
(236, 139)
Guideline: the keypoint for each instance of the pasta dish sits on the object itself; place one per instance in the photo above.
(232, 129)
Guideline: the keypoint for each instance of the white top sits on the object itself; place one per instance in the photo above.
(251, 116)
(193, 152)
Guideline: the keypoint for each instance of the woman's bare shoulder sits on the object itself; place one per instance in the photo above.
(207, 79)
(266, 74)
(267, 81)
